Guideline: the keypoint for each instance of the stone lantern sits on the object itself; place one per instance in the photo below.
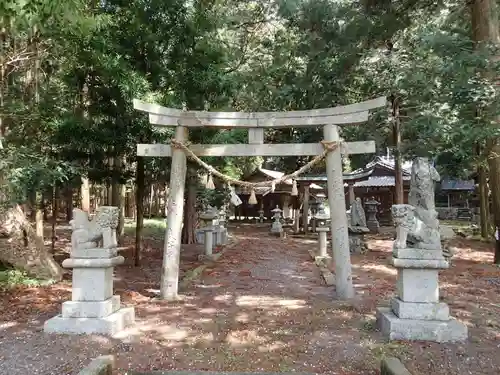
(372, 210)
(207, 229)
(277, 227)
(322, 217)
(314, 210)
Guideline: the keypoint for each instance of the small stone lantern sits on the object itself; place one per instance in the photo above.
(208, 218)
(261, 214)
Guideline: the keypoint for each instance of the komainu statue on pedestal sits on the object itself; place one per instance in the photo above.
(417, 223)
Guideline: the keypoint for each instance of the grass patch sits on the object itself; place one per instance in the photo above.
(456, 224)
(390, 349)
(12, 277)
(369, 324)
(152, 227)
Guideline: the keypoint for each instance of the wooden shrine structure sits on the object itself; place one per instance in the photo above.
(267, 199)
(256, 123)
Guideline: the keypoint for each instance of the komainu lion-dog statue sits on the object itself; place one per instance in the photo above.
(88, 233)
(417, 225)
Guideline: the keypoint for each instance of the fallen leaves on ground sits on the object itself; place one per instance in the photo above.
(263, 307)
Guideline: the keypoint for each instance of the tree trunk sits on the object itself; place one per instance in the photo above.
(121, 206)
(130, 203)
(109, 186)
(157, 206)
(69, 202)
(55, 211)
(85, 194)
(118, 194)
(140, 183)
(45, 203)
(190, 216)
(39, 217)
(150, 200)
(494, 164)
(21, 247)
(32, 205)
(398, 171)
(485, 28)
(484, 207)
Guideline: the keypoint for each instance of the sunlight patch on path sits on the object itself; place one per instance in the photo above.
(266, 301)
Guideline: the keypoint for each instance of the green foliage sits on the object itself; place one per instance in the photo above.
(76, 66)
(11, 277)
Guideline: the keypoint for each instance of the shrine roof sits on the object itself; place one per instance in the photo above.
(449, 184)
(379, 181)
(362, 173)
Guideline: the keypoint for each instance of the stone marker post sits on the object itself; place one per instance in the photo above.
(222, 226)
(93, 308)
(416, 313)
(209, 240)
(322, 241)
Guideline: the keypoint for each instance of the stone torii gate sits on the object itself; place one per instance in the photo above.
(257, 122)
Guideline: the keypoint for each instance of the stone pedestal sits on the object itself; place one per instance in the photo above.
(208, 241)
(93, 308)
(314, 224)
(416, 313)
(357, 244)
(322, 241)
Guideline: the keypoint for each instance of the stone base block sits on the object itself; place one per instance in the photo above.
(92, 284)
(207, 257)
(276, 228)
(109, 326)
(420, 330)
(420, 311)
(420, 263)
(418, 285)
(418, 254)
(90, 309)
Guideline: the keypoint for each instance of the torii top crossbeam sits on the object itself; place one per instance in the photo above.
(342, 115)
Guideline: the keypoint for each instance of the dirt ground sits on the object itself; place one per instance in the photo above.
(262, 307)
